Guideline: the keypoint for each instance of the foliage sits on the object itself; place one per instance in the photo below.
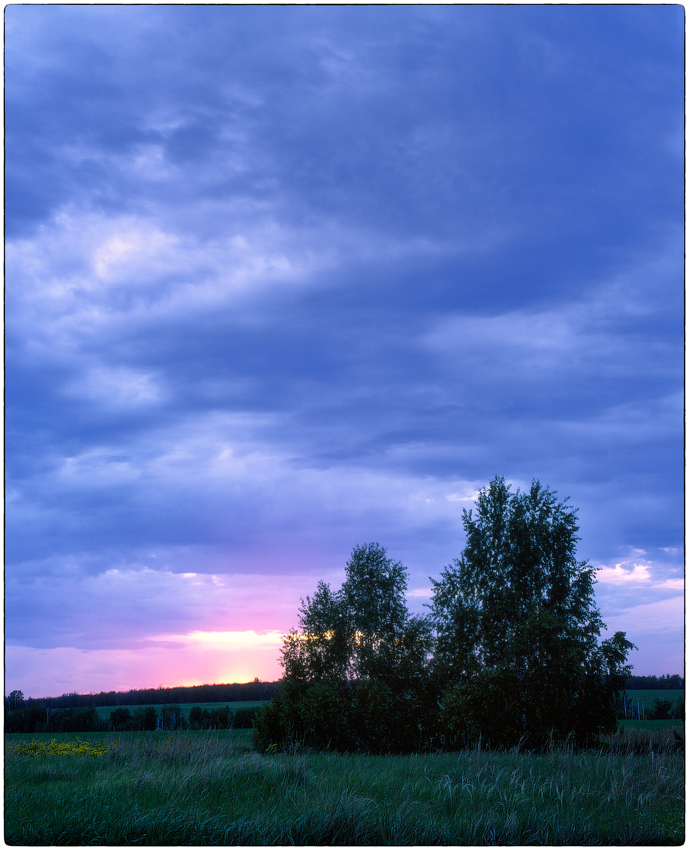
(662, 709)
(121, 720)
(15, 700)
(356, 671)
(518, 648)
(222, 717)
(31, 717)
(511, 652)
(362, 631)
(145, 719)
(37, 749)
(171, 718)
(655, 683)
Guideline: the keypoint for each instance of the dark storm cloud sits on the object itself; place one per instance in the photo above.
(284, 279)
(382, 114)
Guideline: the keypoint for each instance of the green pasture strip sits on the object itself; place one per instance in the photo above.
(648, 698)
(103, 711)
(157, 788)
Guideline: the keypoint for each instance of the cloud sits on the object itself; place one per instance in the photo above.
(645, 619)
(130, 606)
(118, 388)
(421, 592)
(638, 574)
(270, 297)
(222, 640)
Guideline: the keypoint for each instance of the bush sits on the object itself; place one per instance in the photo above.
(661, 709)
(121, 720)
(243, 718)
(268, 734)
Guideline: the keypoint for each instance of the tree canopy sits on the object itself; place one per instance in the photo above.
(517, 628)
(510, 653)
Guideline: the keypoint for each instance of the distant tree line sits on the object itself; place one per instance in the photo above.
(510, 654)
(29, 716)
(655, 683)
(236, 692)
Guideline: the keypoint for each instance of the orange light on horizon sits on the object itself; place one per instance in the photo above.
(168, 660)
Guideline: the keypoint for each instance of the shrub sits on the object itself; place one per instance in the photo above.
(661, 709)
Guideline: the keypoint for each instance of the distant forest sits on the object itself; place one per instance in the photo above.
(255, 691)
(655, 683)
(195, 694)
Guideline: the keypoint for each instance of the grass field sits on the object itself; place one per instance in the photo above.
(200, 788)
(648, 698)
(103, 711)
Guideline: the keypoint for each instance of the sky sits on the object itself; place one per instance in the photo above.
(284, 280)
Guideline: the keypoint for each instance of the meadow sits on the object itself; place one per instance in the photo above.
(646, 698)
(196, 788)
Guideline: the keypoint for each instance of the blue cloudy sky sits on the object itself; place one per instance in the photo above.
(281, 280)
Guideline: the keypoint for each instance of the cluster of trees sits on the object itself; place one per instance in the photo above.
(665, 709)
(29, 716)
(222, 717)
(236, 692)
(510, 653)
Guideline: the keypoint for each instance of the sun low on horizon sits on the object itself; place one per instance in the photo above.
(285, 280)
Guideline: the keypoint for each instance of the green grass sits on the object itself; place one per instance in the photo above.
(647, 698)
(200, 788)
(103, 711)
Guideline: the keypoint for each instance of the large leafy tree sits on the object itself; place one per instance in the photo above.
(518, 633)
(362, 631)
(356, 669)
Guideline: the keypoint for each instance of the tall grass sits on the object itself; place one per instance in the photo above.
(210, 788)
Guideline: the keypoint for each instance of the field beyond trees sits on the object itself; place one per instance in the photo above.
(104, 711)
(197, 788)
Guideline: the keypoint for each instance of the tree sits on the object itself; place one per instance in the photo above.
(362, 631)
(356, 668)
(145, 718)
(15, 700)
(320, 649)
(662, 709)
(195, 717)
(518, 651)
(121, 719)
(171, 717)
